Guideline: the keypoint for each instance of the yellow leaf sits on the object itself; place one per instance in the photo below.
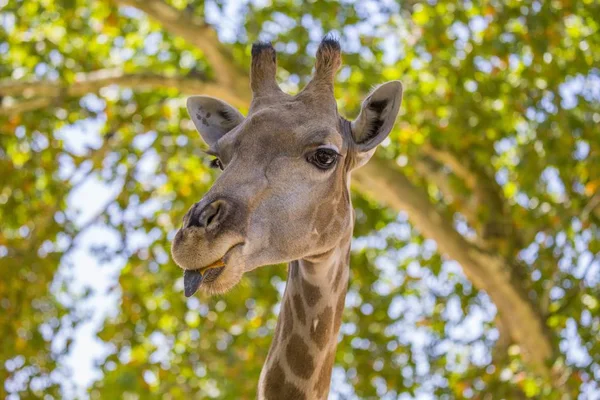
(591, 187)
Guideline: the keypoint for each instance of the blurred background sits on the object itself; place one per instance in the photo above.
(475, 271)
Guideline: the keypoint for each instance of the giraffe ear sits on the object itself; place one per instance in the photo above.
(377, 116)
(212, 117)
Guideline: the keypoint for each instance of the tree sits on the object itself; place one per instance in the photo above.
(493, 166)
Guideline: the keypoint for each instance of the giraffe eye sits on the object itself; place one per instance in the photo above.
(323, 158)
(216, 163)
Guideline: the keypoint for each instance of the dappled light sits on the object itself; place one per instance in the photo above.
(475, 263)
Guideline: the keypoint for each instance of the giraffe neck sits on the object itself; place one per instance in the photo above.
(302, 353)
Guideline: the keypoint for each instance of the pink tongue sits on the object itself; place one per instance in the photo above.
(191, 281)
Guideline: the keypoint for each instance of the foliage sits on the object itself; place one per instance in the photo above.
(499, 126)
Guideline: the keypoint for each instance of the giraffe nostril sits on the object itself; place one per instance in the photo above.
(208, 216)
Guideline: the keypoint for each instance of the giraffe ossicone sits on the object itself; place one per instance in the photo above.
(284, 196)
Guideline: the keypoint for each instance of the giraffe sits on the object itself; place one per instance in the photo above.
(284, 197)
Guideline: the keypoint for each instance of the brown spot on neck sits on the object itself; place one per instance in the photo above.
(320, 330)
(322, 384)
(277, 387)
(339, 310)
(309, 267)
(299, 307)
(312, 293)
(288, 319)
(299, 358)
(341, 268)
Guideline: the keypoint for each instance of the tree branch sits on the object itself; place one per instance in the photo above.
(383, 181)
(456, 165)
(40, 94)
(491, 213)
(591, 206)
(196, 32)
(464, 203)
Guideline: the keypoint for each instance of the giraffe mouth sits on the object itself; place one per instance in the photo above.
(193, 278)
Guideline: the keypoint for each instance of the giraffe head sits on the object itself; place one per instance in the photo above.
(283, 194)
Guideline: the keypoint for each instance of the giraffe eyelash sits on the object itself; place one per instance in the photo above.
(216, 164)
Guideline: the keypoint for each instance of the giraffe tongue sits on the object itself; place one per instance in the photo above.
(191, 281)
